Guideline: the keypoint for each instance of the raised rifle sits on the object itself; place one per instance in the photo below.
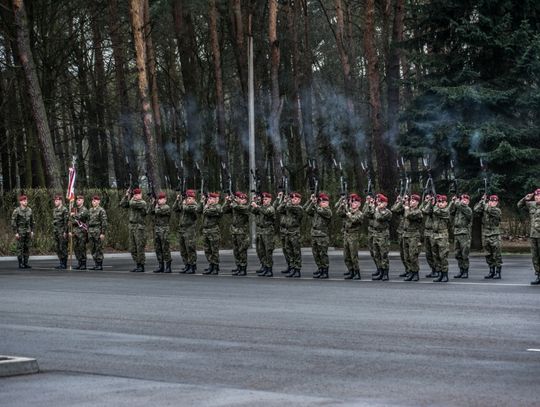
(453, 180)
(180, 178)
(484, 168)
(284, 183)
(257, 186)
(367, 171)
(130, 185)
(429, 187)
(226, 180)
(343, 186)
(313, 178)
(151, 190)
(204, 192)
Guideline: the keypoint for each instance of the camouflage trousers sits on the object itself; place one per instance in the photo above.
(211, 240)
(80, 239)
(401, 244)
(137, 243)
(265, 248)
(411, 250)
(240, 248)
(351, 241)
(370, 244)
(286, 253)
(319, 248)
(381, 247)
(428, 247)
(535, 251)
(441, 249)
(96, 245)
(462, 248)
(161, 244)
(492, 248)
(188, 247)
(292, 246)
(23, 245)
(60, 245)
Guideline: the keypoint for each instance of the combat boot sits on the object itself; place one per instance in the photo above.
(404, 274)
(465, 273)
(491, 272)
(444, 278)
(99, 265)
(78, 266)
(317, 274)
(261, 270)
(160, 268)
(497, 275)
(192, 269)
(377, 275)
(439, 278)
(268, 272)
(324, 274)
(25, 263)
(385, 275)
(185, 269)
(460, 275)
(242, 271)
(288, 271)
(295, 273)
(21, 265)
(168, 267)
(139, 269)
(234, 272)
(412, 277)
(349, 275)
(357, 275)
(62, 265)
(209, 270)
(216, 269)
(537, 281)
(433, 274)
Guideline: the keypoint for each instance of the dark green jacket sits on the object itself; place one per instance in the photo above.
(162, 215)
(60, 219)
(22, 220)
(137, 210)
(97, 219)
(188, 214)
(463, 217)
(265, 217)
(322, 217)
(240, 217)
(441, 221)
(412, 222)
(491, 218)
(352, 221)
(211, 217)
(534, 213)
(291, 217)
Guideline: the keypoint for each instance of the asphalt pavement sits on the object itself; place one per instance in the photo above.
(115, 338)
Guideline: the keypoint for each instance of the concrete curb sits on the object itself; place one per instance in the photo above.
(15, 366)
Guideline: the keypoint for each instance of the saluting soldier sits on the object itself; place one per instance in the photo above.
(398, 211)
(189, 210)
(137, 227)
(239, 207)
(491, 233)
(292, 212)
(60, 229)
(162, 216)
(381, 216)
(463, 218)
(441, 244)
(212, 212)
(22, 223)
(265, 216)
(97, 226)
(79, 234)
(427, 211)
(349, 209)
(412, 240)
(532, 203)
(318, 208)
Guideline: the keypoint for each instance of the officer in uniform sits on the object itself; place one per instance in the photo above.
(239, 207)
(60, 229)
(318, 208)
(162, 216)
(97, 226)
(427, 211)
(212, 212)
(79, 234)
(22, 223)
(532, 203)
(412, 241)
(491, 233)
(189, 210)
(463, 217)
(348, 208)
(441, 244)
(382, 217)
(265, 216)
(398, 211)
(137, 227)
(292, 212)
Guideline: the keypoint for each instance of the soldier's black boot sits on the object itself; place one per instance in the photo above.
(192, 269)
(404, 274)
(242, 272)
(385, 275)
(288, 271)
(349, 275)
(324, 274)
(377, 275)
(168, 267)
(433, 274)
(439, 278)
(25, 263)
(61, 266)
(215, 270)
(317, 274)
(537, 281)
(497, 275)
(209, 270)
(234, 272)
(99, 265)
(160, 268)
(21, 265)
(465, 273)
(444, 278)
(491, 272)
(412, 277)
(139, 269)
(295, 273)
(357, 275)
(261, 270)
(185, 269)
(268, 272)
(460, 275)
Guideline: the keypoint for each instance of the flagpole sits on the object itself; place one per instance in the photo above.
(71, 196)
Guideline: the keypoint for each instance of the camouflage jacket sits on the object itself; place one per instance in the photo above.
(381, 220)
(534, 213)
(441, 221)
(463, 217)
(161, 215)
(291, 217)
(22, 220)
(352, 221)
(491, 218)
(188, 214)
(240, 217)
(80, 215)
(97, 220)
(399, 210)
(427, 211)
(265, 217)
(211, 217)
(322, 217)
(137, 210)
(367, 210)
(412, 222)
(60, 219)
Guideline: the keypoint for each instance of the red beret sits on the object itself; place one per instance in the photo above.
(266, 195)
(493, 198)
(441, 198)
(96, 198)
(324, 197)
(23, 198)
(382, 198)
(80, 196)
(213, 194)
(137, 191)
(465, 196)
(355, 197)
(191, 193)
(162, 195)
(58, 197)
(295, 195)
(416, 197)
(241, 195)
(537, 192)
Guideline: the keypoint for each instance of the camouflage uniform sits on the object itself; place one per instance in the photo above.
(351, 228)
(212, 235)
(441, 244)
(320, 236)
(22, 222)
(79, 222)
(97, 225)
(366, 210)
(381, 236)
(265, 218)
(137, 229)
(60, 229)
(291, 220)
(491, 236)
(398, 210)
(187, 233)
(283, 235)
(239, 233)
(162, 217)
(463, 216)
(427, 211)
(412, 241)
(534, 213)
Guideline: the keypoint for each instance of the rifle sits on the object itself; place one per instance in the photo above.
(204, 192)
(483, 167)
(151, 190)
(429, 187)
(226, 180)
(180, 179)
(367, 171)
(284, 183)
(454, 183)
(130, 185)
(343, 187)
(313, 178)
(257, 191)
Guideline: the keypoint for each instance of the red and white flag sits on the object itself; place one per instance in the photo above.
(70, 195)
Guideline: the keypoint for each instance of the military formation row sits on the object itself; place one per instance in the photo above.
(422, 223)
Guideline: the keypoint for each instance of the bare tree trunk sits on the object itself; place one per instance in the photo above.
(276, 104)
(343, 51)
(52, 165)
(239, 39)
(393, 77)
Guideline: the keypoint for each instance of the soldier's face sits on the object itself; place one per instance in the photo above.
(383, 204)
(465, 201)
(190, 200)
(213, 201)
(242, 201)
(162, 201)
(80, 202)
(355, 204)
(95, 203)
(137, 197)
(267, 201)
(57, 202)
(493, 203)
(24, 203)
(537, 198)
(413, 203)
(324, 204)
(442, 204)
(296, 201)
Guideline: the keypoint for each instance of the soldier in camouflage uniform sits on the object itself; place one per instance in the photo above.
(283, 233)
(412, 241)
(162, 215)
(441, 244)
(397, 211)
(189, 210)
(97, 226)
(292, 212)
(60, 229)
(137, 227)
(369, 205)
(531, 202)
(463, 217)
(427, 211)
(381, 217)
(265, 216)
(22, 223)
(491, 234)
(239, 208)
(318, 209)
(212, 212)
(79, 234)
(348, 208)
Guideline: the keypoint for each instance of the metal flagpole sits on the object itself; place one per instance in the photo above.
(251, 108)
(71, 196)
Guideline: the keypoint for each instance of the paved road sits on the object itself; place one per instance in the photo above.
(115, 338)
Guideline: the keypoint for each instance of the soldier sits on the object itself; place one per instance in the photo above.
(22, 223)
(349, 209)
(318, 209)
(441, 245)
(491, 233)
(162, 215)
(79, 233)
(137, 227)
(532, 203)
(238, 206)
(189, 210)
(265, 218)
(97, 226)
(60, 229)
(283, 233)
(212, 212)
(398, 211)
(381, 216)
(292, 212)
(427, 211)
(463, 217)
(368, 207)
(412, 241)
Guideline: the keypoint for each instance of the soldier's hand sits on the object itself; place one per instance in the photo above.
(484, 197)
(280, 194)
(102, 237)
(64, 235)
(254, 204)
(528, 197)
(70, 234)
(17, 236)
(31, 234)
